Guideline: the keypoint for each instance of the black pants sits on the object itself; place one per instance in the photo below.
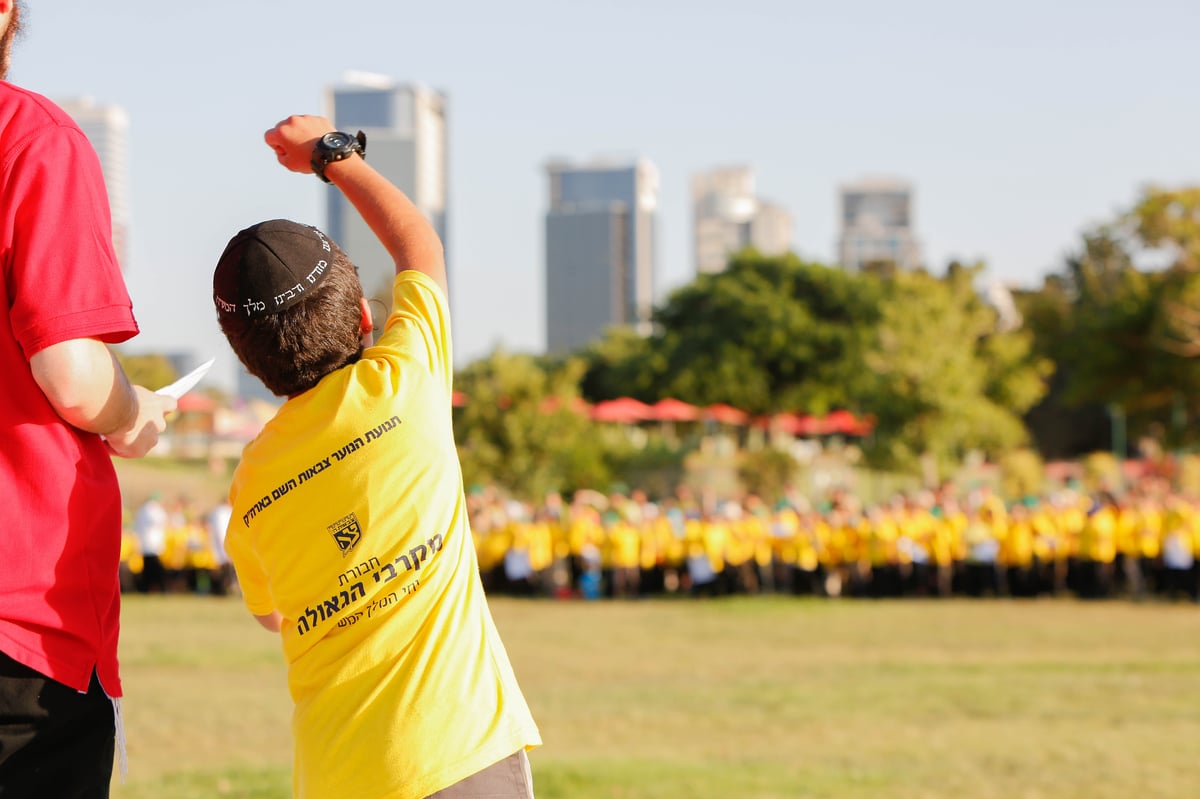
(1183, 581)
(153, 579)
(54, 741)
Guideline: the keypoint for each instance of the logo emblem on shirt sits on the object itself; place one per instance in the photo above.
(346, 533)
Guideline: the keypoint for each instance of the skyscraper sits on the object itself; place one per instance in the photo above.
(107, 127)
(877, 225)
(600, 250)
(406, 142)
(727, 217)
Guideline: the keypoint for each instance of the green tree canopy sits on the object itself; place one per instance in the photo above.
(1123, 317)
(767, 335)
(151, 371)
(943, 380)
(621, 364)
(1170, 219)
(921, 353)
(518, 429)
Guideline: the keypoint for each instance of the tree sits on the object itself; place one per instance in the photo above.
(921, 353)
(766, 335)
(151, 371)
(943, 381)
(1060, 430)
(622, 363)
(1110, 336)
(1123, 322)
(1169, 220)
(519, 429)
(1177, 327)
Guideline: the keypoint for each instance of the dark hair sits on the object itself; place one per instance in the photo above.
(292, 350)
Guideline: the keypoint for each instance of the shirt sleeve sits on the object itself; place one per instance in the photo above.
(420, 325)
(63, 277)
(252, 578)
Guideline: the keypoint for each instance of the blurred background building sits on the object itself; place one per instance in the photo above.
(107, 128)
(407, 143)
(877, 225)
(600, 250)
(247, 386)
(727, 217)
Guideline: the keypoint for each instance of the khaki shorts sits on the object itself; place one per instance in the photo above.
(508, 779)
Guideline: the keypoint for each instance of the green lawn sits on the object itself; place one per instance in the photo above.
(756, 697)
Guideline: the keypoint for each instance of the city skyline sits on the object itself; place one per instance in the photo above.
(601, 249)
(107, 128)
(728, 216)
(878, 225)
(1021, 126)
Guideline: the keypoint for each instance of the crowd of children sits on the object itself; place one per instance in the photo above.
(174, 547)
(1139, 543)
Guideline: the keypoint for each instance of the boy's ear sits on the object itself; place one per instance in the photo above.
(366, 325)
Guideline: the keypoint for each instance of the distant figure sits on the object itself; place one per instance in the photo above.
(349, 528)
(224, 579)
(1179, 553)
(66, 407)
(150, 526)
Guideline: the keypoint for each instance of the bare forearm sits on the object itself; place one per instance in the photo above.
(398, 224)
(87, 387)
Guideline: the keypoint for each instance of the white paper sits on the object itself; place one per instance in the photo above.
(186, 383)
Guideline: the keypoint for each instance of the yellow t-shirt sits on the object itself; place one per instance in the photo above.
(1149, 532)
(880, 535)
(1097, 538)
(1017, 547)
(349, 519)
(624, 545)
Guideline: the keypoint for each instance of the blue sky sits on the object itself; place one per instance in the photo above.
(1020, 124)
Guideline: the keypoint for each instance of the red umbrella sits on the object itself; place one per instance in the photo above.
(807, 425)
(622, 409)
(840, 422)
(787, 422)
(673, 410)
(725, 414)
(195, 402)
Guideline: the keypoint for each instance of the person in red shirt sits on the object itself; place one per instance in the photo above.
(65, 409)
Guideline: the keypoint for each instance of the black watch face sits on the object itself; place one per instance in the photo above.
(336, 140)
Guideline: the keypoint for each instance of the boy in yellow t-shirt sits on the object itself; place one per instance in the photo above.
(349, 528)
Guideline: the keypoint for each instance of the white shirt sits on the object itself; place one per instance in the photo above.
(150, 526)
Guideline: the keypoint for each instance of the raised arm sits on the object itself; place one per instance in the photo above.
(402, 229)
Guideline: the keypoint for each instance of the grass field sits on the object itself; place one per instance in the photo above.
(755, 697)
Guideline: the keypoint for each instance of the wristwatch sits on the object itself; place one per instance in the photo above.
(335, 146)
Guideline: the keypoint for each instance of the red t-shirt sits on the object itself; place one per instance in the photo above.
(60, 505)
